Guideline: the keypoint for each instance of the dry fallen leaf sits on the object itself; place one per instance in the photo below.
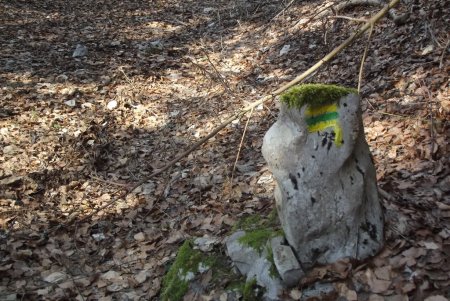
(295, 294)
(139, 236)
(376, 285)
(55, 277)
(375, 298)
(141, 276)
(74, 131)
(174, 238)
(383, 273)
(430, 245)
(436, 298)
(110, 275)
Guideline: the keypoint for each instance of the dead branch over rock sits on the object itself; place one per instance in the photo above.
(397, 18)
(371, 22)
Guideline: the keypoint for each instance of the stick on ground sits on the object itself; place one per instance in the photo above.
(370, 23)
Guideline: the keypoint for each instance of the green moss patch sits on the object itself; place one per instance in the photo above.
(248, 293)
(251, 222)
(184, 269)
(257, 239)
(314, 95)
(257, 221)
(273, 272)
(259, 230)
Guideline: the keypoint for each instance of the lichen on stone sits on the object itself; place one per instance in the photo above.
(314, 95)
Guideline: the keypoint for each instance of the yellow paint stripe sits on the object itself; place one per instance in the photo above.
(329, 124)
(321, 110)
(320, 126)
(338, 139)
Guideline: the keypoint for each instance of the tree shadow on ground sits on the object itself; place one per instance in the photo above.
(108, 153)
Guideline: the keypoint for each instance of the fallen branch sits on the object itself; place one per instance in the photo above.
(398, 19)
(282, 11)
(348, 18)
(370, 23)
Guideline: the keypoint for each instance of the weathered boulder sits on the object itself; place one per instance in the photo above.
(326, 193)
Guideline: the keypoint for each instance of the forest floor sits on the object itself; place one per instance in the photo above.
(158, 76)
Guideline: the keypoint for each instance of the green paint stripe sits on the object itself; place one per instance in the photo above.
(324, 117)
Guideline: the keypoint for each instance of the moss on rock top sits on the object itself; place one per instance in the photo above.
(314, 95)
(258, 230)
(257, 239)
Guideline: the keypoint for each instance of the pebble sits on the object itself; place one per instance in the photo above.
(71, 103)
(80, 51)
(112, 105)
(285, 49)
(61, 78)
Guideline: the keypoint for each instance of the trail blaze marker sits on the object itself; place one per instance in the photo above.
(311, 172)
(323, 117)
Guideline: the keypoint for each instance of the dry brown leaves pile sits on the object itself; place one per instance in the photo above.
(160, 74)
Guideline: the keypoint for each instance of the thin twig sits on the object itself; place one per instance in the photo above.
(398, 19)
(385, 194)
(432, 35)
(222, 79)
(427, 95)
(311, 18)
(393, 115)
(107, 182)
(348, 18)
(361, 68)
(441, 60)
(282, 11)
(240, 144)
(243, 111)
(69, 273)
(337, 50)
(125, 75)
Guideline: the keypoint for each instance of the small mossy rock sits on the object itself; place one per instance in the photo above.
(257, 239)
(254, 263)
(287, 266)
(326, 193)
(248, 292)
(186, 265)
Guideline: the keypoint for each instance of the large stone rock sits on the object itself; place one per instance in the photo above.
(326, 193)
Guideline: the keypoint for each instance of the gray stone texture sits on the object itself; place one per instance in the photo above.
(254, 265)
(80, 51)
(287, 265)
(326, 194)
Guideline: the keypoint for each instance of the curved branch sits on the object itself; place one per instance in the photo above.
(371, 22)
(398, 19)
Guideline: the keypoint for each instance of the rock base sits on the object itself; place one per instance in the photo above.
(274, 266)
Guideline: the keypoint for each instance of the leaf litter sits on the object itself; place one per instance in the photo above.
(150, 78)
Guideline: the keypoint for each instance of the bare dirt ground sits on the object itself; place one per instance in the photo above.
(158, 76)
